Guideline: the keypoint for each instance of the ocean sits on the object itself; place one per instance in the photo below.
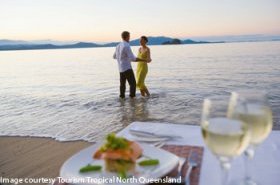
(72, 94)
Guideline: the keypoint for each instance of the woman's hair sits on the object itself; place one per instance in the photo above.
(145, 38)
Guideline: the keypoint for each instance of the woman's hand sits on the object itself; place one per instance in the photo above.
(149, 60)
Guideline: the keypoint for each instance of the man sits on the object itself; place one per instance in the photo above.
(124, 56)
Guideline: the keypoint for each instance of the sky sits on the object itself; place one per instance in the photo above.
(104, 20)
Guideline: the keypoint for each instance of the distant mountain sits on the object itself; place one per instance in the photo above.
(168, 40)
(47, 46)
(81, 45)
(152, 40)
(35, 42)
(54, 42)
(6, 44)
(173, 41)
(189, 41)
(111, 44)
(12, 42)
(25, 45)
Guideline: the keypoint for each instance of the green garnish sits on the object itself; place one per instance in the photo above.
(122, 174)
(149, 162)
(90, 168)
(113, 142)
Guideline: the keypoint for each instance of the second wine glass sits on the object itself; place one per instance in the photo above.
(252, 107)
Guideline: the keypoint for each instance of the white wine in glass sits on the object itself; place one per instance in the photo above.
(259, 119)
(225, 137)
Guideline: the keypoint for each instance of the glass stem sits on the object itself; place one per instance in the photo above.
(248, 161)
(225, 166)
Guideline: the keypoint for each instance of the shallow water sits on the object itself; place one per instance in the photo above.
(72, 94)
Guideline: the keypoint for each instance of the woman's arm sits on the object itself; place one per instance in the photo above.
(133, 58)
(138, 59)
(149, 55)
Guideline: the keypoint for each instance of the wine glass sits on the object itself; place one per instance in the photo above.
(225, 137)
(253, 108)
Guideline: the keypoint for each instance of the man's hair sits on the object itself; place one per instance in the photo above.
(125, 34)
(145, 38)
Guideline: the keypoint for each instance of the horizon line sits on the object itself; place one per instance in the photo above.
(183, 37)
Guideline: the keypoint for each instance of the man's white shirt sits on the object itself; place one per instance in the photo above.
(124, 56)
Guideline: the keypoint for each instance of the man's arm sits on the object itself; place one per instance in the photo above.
(132, 57)
(129, 53)
(115, 55)
(140, 60)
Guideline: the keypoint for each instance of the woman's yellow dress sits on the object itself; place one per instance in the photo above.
(142, 70)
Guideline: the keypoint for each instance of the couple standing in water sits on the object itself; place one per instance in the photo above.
(124, 56)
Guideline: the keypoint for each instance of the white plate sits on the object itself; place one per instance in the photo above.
(70, 169)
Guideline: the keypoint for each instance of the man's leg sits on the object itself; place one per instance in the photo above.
(122, 84)
(132, 83)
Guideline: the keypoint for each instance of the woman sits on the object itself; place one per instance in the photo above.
(142, 67)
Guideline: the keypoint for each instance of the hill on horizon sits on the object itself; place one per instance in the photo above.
(6, 44)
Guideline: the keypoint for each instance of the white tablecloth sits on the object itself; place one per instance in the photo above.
(266, 163)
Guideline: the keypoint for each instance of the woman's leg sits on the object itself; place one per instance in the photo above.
(142, 92)
(141, 75)
(147, 91)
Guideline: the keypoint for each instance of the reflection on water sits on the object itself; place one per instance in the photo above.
(73, 94)
(138, 109)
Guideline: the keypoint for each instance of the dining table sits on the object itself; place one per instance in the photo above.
(266, 163)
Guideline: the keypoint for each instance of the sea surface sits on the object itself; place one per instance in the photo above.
(72, 94)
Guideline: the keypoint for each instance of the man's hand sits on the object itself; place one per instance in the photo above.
(149, 60)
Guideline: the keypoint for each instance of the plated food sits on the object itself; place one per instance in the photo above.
(120, 155)
(118, 158)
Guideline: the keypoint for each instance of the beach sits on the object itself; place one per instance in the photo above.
(26, 157)
(75, 74)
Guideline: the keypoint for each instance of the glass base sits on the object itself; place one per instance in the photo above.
(243, 182)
